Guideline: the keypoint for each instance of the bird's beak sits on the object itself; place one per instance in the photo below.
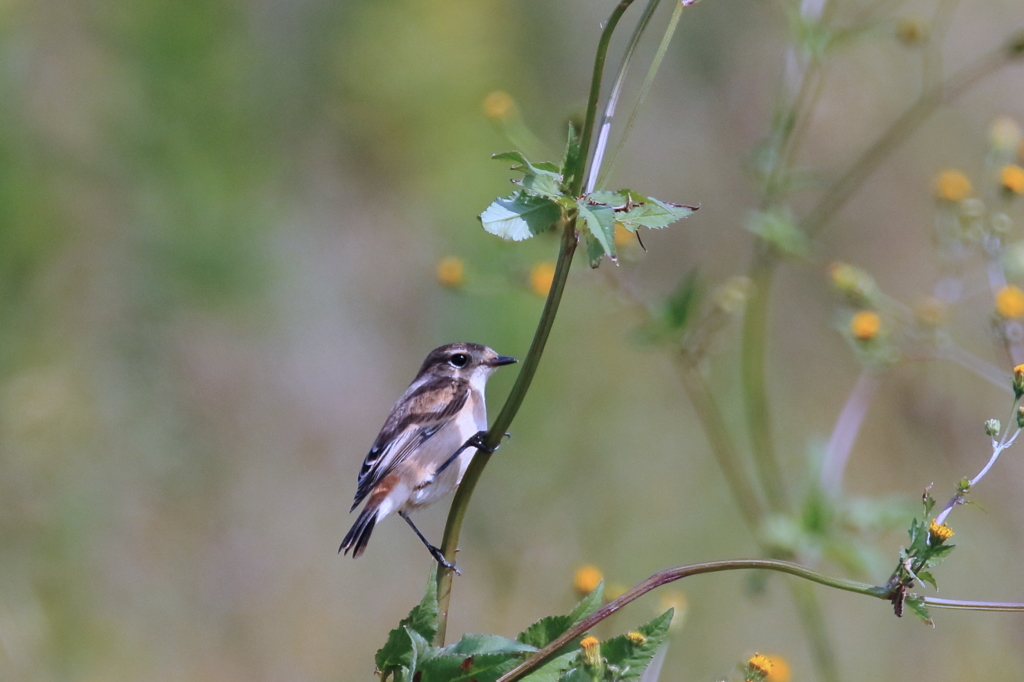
(503, 360)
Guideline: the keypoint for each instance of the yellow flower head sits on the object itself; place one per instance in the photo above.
(1011, 177)
(780, 671)
(622, 235)
(591, 647)
(498, 105)
(450, 270)
(636, 638)
(864, 325)
(587, 579)
(1010, 302)
(952, 185)
(758, 667)
(541, 277)
(940, 532)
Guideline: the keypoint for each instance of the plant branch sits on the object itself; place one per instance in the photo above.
(671, 575)
(570, 239)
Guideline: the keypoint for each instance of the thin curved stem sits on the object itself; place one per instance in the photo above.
(671, 575)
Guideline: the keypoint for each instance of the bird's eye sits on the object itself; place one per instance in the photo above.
(459, 360)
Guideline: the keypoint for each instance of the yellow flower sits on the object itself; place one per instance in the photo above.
(940, 532)
(587, 579)
(622, 235)
(541, 277)
(1010, 302)
(780, 671)
(758, 667)
(591, 647)
(450, 270)
(952, 185)
(636, 638)
(865, 325)
(1011, 176)
(1018, 380)
(498, 105)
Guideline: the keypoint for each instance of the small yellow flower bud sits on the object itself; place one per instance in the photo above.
(1018, 381)
(1011, 177)
(591, 648)
(758, 667)
(498, 105)
(541, 277)
(1005, 135)
(941, 532)
(952, 185)
(852, 282)
(587, 579)
(911, 30)
(1020, 417)
(636, 638)
(864, 325)
(1010, 302)
(450, 271)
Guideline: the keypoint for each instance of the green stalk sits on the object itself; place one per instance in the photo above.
(570, 239)
(671, 575)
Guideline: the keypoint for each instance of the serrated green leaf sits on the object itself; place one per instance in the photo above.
(927, 577)
(570, 158)
(553, 669)
(575, 675)
(779, 229)
(542, 178)
(520, 216)
(600, 222)
(589, 604)
(487, 644)
(653, 214)
(929, 503)
(595, 252)
(545, 630)
(612, 199)
(632, 658)
(916, 604)
(398, 650)
(459, 668)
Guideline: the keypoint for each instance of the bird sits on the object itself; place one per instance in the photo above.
(427, 441)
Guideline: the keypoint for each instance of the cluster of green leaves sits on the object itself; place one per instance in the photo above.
(546, 199)
(925, 551)
(408, 654)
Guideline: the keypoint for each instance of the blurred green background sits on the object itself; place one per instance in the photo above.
(219, 230)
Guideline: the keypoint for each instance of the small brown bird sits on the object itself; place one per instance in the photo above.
(427, 441)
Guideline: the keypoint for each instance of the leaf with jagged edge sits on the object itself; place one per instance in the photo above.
(520, 216)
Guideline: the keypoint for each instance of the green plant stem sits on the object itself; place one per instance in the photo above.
(673, 574)
(465, 490)
(722, 445)
(752, 367)
(570, 239)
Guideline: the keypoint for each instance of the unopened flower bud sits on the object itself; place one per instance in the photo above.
(1020, 417)
(992, 427)
(1018, 381)
(591, 648)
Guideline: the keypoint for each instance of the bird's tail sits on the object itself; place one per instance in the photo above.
(359, 535)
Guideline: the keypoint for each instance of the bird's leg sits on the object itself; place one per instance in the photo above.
(434, 551)
(474, 441)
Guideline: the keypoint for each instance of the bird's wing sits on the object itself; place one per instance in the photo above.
(418, 415)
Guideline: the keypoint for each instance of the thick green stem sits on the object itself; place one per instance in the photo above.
(570, 239)
(671, 575)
